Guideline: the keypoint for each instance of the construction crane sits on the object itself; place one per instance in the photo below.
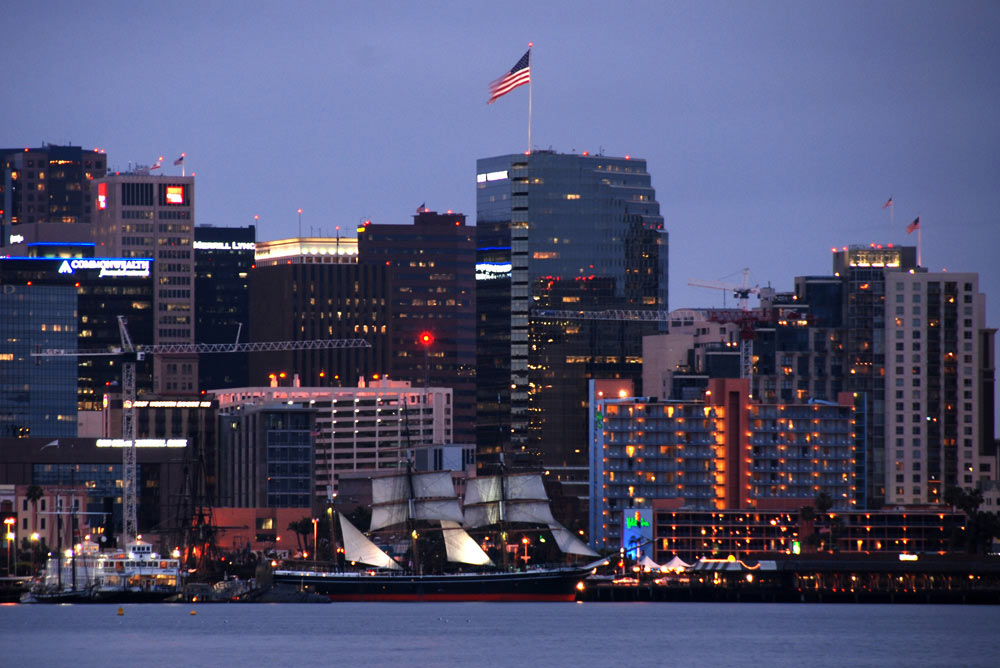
(741, 292)
(136, 353)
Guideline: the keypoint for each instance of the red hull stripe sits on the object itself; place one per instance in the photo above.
(453, 597)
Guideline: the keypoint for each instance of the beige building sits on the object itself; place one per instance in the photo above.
(138, 214)
(365, 428)
(936, 354)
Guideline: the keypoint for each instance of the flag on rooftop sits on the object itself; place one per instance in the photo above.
(420, 209)
(887, 204)
(180, 160)
(915, 225)
(518, 75)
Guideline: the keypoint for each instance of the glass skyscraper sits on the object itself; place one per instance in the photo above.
(559, 232)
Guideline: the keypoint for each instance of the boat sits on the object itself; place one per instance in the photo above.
(503, 500)
(87, 575)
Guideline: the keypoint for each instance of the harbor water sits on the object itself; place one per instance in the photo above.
(499, 634)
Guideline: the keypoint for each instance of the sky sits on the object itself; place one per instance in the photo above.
(773, 131)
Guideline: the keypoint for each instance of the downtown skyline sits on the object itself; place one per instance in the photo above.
(773, 132)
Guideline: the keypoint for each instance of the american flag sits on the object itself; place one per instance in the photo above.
(915, 225)
(887, 204)
(180, 160)
(519, 75)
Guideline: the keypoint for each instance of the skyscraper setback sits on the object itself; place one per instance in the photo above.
(559, 231)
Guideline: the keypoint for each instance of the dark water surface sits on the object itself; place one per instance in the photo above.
(499, 634)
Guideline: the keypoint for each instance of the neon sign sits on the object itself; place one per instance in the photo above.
(102, 195)
(108, 267)
(175, 194)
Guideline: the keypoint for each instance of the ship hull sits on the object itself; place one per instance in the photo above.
(554, 585)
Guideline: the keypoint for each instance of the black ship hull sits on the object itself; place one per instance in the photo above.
(543, 585)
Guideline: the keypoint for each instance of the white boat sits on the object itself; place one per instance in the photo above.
(135, 575)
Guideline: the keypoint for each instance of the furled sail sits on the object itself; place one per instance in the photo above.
(511, 498)
(569, 543)
(358, 548)
(461, 547)
(433, 498)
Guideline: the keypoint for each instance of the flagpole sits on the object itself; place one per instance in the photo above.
(530, 44)
(920, 233)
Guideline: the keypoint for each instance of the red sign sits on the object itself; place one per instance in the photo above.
(175, 194)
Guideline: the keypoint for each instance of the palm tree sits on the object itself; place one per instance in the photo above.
(33, 494)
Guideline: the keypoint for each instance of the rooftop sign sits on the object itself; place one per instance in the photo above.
(142, 443)
(108, 266)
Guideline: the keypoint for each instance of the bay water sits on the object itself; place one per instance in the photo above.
(499, 634)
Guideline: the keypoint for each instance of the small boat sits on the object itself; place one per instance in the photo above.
(430, 497)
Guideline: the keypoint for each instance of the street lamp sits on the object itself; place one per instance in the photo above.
(315, 522)
(10, 537)
(524, 542)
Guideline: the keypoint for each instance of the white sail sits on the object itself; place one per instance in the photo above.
(482, 490)
(535, 512)
(433, 498)
(437, 509)
(518, 497)
(526, 486)
(461, 547)
(432, 484)
(358, 548)
(569, 543)
(389, 514)
(390, 488)
(483, 515)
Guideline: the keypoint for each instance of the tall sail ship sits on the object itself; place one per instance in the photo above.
(409, 498)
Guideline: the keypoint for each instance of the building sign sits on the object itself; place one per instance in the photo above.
(16, 238)
(873, 257)
(486, 271)
(108, 266)
(102, 195)
(491, 176)
(172, 404)
(225, 245)
(175, 194)
(637, 533)
(142, 443)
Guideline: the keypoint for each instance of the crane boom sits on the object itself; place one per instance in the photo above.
(131, 353)
(187, 348)
(607, 314)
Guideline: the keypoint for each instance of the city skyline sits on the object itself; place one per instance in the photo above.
(758, 123)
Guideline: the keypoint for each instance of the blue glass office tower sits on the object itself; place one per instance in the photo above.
(564, 232)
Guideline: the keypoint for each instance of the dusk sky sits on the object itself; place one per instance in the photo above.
(773, 131)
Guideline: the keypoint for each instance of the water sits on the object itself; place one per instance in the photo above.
(499, 634)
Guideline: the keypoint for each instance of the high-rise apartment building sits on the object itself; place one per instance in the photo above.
(223, 259)
(938, 386)
(138, 215)
(433, 270)
(45, 193)
(566, 232)
(719, 452)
